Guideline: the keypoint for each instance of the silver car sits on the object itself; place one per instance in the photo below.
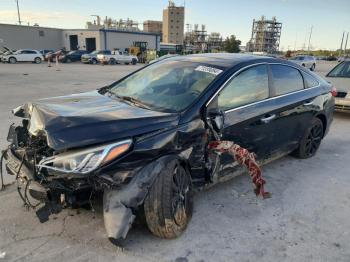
(307, 61)
(339, 77)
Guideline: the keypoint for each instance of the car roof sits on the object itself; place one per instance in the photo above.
(227, 60)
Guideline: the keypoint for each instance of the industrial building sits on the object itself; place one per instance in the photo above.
(34, 37)
(265, 36)
(173, 24)
(197, 39)
(152, 26)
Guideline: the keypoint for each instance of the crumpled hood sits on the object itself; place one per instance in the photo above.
(90, 118)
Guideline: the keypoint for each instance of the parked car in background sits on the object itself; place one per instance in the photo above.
(331, 58)
(44, 52)
(72, 56)
(305, 61)
(143, 140)
(91, 58)
(117, 57)
(339, 77)
(23, 55)
(5, 51)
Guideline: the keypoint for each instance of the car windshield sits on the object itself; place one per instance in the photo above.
(168, 86)
(341, 70)
(94, 52)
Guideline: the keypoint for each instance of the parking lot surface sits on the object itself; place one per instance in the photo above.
(307, 218)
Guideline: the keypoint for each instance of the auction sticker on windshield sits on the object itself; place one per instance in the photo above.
(210, 70)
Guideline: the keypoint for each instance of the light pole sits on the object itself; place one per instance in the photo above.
(19, 16)
(308, 47)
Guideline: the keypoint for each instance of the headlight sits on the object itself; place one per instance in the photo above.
(86, 160)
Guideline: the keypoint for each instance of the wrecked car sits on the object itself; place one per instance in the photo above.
(143, 140)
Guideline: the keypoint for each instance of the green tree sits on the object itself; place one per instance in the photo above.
(231, 44)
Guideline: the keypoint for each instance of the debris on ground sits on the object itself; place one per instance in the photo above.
(2, 255)
(246, 158)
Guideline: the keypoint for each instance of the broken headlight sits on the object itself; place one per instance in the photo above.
(86, 160)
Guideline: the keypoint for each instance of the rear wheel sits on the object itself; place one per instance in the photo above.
(68, 60)
(313, 67)
(94, 61)
(169, 204)
(311, 140)
(37, 60)
(134, 61)
(12, 60)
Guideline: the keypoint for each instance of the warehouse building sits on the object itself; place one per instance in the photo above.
(34, 37)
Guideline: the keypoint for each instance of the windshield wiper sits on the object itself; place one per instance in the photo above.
(134, 101)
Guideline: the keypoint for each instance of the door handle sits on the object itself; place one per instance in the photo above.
(308, 103)
(268, 118)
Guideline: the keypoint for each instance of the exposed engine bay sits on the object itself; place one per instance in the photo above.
(38, 187)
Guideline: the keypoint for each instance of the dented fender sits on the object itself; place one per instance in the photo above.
(119, 203)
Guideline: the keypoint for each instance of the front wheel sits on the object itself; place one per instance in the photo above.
(311, 140)
(12, 60)
(134, 61)
(169, 203)
(313, 67)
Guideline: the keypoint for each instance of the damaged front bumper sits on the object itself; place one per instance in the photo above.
(49, 194)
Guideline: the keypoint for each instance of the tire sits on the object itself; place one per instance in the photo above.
(94, 61)
(311, 140)
(169, 203)
(313, 67)
(127, 63)
(134, 61)
(112, 61)
(12, 60)
(68, 60)
(303, 65)
(37, 60)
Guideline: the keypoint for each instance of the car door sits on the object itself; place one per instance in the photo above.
(248, 117)
(31, 55)
(293, 107)
(21, 56)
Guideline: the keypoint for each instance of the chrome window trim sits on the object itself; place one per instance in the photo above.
(267, 99)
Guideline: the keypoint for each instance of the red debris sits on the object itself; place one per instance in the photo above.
(243, 157)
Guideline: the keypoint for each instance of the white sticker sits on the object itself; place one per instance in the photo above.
(210, 70)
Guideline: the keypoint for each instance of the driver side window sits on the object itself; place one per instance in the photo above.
(249, 86)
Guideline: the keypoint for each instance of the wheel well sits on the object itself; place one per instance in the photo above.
(324, 122)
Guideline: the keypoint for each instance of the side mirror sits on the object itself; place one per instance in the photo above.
(217, 119)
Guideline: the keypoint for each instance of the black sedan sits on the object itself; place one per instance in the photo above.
(144, 141)
(72, 56)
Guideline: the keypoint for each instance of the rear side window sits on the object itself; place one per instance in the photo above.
(286, 79)
(310, 81)
(249, 86)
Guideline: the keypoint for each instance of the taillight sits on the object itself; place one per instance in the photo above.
(334, 91)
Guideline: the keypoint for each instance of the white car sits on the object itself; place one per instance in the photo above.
(23, 55)
(339, 77)
(307, 61)
(117, 57)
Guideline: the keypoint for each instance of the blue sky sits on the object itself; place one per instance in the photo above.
(328, 18)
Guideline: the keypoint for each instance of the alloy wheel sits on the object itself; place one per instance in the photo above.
(314, 138)
(180, 189)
